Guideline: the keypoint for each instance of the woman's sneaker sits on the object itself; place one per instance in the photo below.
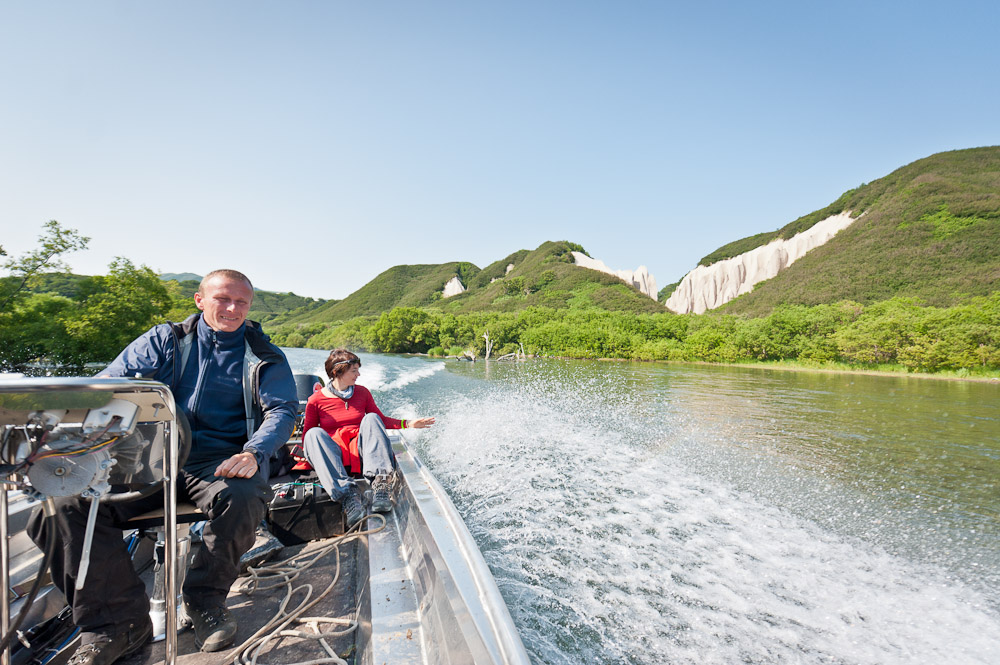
(353, 510)
(382, 493)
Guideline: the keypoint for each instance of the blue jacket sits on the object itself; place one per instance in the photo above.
(269, 398)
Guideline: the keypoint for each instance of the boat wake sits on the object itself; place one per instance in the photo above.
(624, 525)
(608, 549)
(385, 378)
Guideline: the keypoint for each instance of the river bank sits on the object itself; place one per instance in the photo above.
(993, 376)
(990, 376)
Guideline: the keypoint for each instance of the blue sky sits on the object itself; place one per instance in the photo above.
(313, 145)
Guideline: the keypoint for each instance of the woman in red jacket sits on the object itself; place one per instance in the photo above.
(345, 433)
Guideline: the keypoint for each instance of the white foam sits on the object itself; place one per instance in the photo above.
(607, 552)
(633, 518)
(307, 361)
(379, 379)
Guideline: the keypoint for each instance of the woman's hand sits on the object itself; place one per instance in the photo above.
(420, 423)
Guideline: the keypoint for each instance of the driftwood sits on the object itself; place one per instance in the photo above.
(489, 344)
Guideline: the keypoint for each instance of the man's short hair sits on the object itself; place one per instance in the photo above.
(234, 275)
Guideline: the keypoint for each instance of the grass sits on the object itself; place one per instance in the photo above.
(978, 375)
(930, 230)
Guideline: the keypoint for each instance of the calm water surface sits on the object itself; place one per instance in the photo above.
(638, 513)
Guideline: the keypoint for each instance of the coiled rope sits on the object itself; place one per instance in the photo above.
(283, 573)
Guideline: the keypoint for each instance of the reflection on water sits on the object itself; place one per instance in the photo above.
(650, 514)
(912, 464)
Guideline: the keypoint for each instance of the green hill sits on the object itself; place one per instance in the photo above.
(180, 277)
(929, 230)
(399, 286)
(544, 277)
(547, 277)
(62, 284)
(266, 304)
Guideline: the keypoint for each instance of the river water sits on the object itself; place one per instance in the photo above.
(642, 513)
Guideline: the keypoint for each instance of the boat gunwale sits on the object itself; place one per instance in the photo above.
(428, 521)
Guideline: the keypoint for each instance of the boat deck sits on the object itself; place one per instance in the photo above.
(412, 588)
(259, 608)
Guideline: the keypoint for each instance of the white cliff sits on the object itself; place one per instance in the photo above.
(708, 287)
(452, 288)
(639, 278)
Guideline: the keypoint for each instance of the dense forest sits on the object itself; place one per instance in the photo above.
(898, 334)
(64, 319)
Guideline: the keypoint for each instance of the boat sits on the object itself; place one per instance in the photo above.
(410, 586)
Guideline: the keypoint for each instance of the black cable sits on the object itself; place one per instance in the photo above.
(50, 547)
(184, 436)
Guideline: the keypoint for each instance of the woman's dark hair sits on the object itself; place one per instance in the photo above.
(340, 361)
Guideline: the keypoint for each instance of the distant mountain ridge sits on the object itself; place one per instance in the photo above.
(180, 276)
(266, 306)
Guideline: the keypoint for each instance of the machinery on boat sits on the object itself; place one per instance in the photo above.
(422, 592)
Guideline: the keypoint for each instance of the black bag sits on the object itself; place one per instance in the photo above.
(303, 511)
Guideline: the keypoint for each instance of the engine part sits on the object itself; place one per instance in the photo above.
(86, 475)
(116, 418)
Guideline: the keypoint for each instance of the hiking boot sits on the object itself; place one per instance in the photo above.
(105, 648)
(353, 510)
(214, 627)
(382, 493)
(265, 548)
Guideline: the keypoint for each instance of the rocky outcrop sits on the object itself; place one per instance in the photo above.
(452, 288)
(510, 266)
(638, 278)
(708, 287)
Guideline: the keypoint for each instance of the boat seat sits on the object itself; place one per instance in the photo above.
(187, 513)
(154, 521)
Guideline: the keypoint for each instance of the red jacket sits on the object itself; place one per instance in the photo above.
(341, 420)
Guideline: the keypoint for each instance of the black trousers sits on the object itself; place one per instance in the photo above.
(113, 595)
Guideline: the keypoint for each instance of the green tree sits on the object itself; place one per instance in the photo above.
(182, 301)
(403, 330)
(34, 328)
(130, 301)
(880, 332)
(513, 286)
(53, 243)
(296, 340)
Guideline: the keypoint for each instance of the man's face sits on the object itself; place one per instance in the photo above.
(225, 303)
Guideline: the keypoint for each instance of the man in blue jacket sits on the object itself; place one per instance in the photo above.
(237, 392)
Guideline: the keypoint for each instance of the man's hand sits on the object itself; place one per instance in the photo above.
(241, 465)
